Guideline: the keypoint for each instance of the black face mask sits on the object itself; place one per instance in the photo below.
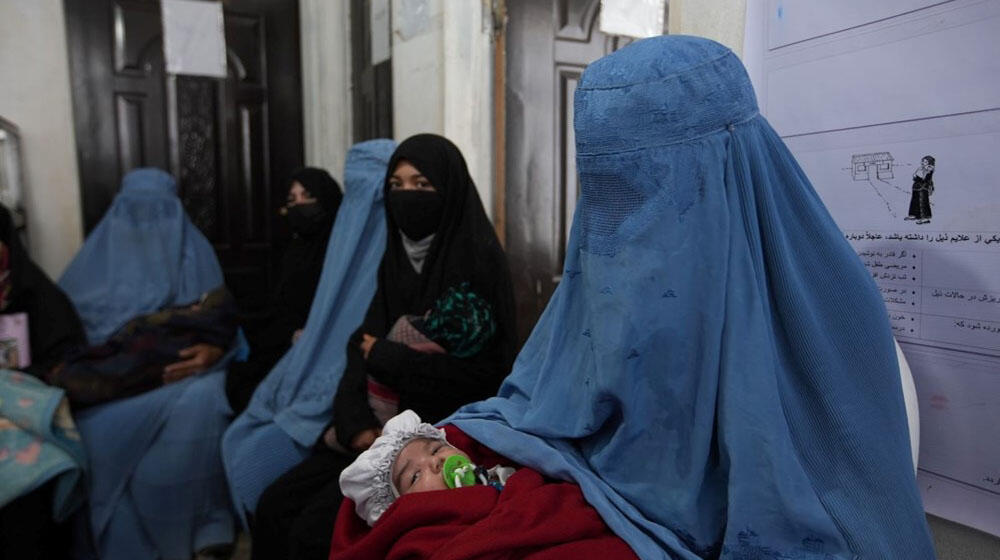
(308, 220)
(417, 213)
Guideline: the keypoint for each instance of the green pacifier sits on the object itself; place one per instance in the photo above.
(458, 472)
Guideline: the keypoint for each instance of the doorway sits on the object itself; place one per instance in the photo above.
(549, 43)
(230, 143)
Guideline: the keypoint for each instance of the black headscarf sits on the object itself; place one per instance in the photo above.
(303, 259)
(321, 186)
(291, 298)
(54, 328)
(465, 249)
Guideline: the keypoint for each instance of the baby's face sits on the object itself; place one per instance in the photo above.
(418, 466)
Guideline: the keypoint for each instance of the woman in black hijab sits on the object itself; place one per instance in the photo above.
(313, 199)
(27, 528)
(439, 240)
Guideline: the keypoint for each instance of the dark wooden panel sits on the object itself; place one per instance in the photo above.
(253, 129)
(567, 182)
(137, 28)
(372, 84)
(129, 114)
(197, 146)
(245, 41)
(214, 135)
(575, 19)
(549, 43)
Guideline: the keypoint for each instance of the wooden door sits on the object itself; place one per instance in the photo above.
(549, 43)
(231, 143)
(371, 83)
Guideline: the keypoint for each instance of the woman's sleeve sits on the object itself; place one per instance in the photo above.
(351, 413)
(431, 382)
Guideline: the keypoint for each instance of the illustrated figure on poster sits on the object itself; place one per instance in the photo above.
(923, 188)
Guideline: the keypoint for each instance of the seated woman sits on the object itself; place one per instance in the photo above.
(716, 370)
(292, 406)
(41, 457)
(157, 488)
(439, 238)
(314, 198)
(133, 359)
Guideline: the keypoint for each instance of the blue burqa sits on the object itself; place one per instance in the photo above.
(292, 406)
(157, 486)
(716, 369)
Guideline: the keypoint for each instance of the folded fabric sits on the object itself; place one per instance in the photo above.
(132, 360)
(38, 442)
(532, 517)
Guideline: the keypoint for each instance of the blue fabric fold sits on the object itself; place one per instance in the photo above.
(716, 369)
(144, 254)
(39, 442)
(157, 485)
(294, 403)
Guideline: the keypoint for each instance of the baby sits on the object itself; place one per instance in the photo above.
(410, 456)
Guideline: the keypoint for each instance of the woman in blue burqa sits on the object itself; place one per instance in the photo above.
(157, 486)
(716, 369)
(292, 405)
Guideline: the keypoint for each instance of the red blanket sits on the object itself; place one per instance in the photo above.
(531, 518)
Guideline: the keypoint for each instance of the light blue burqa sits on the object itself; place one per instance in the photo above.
(157, 486)
(294, 403)
(144, 254)
(716, 369)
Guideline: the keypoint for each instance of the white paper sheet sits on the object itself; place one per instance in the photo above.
(194, 40)
(632, 18)
(862, 91)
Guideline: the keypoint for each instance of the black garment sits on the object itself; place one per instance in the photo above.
(54, 328)
(27, 529)
(920, 199)
(301, 266)
(465, 249)
(295, 514)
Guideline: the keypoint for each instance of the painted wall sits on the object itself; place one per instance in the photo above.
(720, 20)
(442, 72)
(326, 83)
(35, 95)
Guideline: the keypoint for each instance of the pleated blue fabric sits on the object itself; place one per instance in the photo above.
(294, 403)
(716, 369)
(144, 254)
(157, 485)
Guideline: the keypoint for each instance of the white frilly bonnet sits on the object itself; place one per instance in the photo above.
(368, 480)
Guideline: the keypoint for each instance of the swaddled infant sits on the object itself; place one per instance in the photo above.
(410, 456)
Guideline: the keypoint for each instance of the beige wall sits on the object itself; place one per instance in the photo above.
(720, 20)
(35, 95)
(442, 72)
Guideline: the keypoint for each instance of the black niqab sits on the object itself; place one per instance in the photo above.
(288, 308)
(465, 249)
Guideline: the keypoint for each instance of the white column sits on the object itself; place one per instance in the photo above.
(468, 91)
(326, 83)
(442, 71)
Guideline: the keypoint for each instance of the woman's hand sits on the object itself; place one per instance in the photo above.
(367, 341)
(296, 335)
(199, 358)
(364, 439)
